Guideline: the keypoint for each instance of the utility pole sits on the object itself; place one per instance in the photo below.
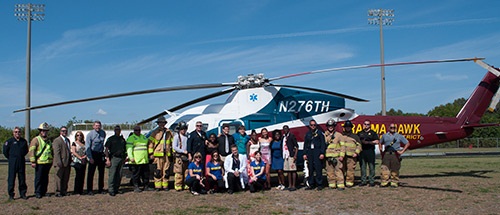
(29, 12)
(381, 17)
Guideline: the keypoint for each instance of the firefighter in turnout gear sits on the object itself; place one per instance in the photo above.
(352, 145)
(334, 156)
(161, 140)
(40, 153)
(181, 156)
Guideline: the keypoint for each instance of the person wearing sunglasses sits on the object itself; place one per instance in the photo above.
(14, 150)
(197, 141)
(369, 139)
(392, 145)
(314, 153)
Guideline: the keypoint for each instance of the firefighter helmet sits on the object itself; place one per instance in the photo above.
(182, 125)
(348, 123)
(331, 122)
(43, 127)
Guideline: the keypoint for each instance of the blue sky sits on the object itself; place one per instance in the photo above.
(93, 48)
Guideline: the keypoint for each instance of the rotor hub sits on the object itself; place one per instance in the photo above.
(251, 81)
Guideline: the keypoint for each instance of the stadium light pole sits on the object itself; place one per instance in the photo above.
(381, 17)
(29, 12)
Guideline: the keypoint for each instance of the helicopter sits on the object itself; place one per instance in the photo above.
(257, 102)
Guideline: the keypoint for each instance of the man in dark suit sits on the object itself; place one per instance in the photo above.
(314, 153)
(196, 142)
(62, 161)
(225, 141)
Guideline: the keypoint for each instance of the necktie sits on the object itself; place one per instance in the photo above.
(67, 144)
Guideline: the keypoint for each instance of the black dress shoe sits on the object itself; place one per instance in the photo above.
(24, 197)
(372, 184)
(59, 195)
(362, 184)
(90, 193)
(38, 196)
(112, 194)
(319, 188)
(309, 188)
(11, 198)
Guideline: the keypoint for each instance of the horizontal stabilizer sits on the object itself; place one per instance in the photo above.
(479, 125)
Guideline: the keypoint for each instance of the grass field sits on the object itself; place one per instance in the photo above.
(442, 185)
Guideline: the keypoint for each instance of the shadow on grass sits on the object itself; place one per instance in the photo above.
(472, 173)
(430, 188)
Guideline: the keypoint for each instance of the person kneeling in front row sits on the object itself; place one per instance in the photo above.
(194, 177)
(259, 177)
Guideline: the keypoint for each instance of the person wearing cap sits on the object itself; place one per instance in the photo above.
(369, 139)
(138, 153)
(94, 144)
(115, 153)
(40, 153)
(161, 140)
(15, 149)
(334, 156)
(352, 146)
(391, 148)
(314, 154)
(62, 160)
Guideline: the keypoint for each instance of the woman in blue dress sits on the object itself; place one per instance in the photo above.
(277, 158)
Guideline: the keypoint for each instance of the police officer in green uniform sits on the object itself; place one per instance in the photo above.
(40, 153)
(369, 139)
(115, 153)
(14, 150)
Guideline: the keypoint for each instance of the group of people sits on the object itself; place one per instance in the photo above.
(203, 164)
(340, 151)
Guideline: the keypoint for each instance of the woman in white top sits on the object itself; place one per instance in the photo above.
(265, 149)
(253, 145)
(79, 162)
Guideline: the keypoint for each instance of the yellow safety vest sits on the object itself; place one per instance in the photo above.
(137, 148)
(43, 154)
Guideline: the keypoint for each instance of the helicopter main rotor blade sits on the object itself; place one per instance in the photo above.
(163, 89)
(188, 103)
(374, 65)
(323, 91)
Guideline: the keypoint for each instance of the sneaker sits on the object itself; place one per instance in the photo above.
(195, 193)
(211, 191)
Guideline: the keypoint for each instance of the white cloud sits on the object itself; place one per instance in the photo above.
(73, 41)
(442, 77)
(101, 112)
